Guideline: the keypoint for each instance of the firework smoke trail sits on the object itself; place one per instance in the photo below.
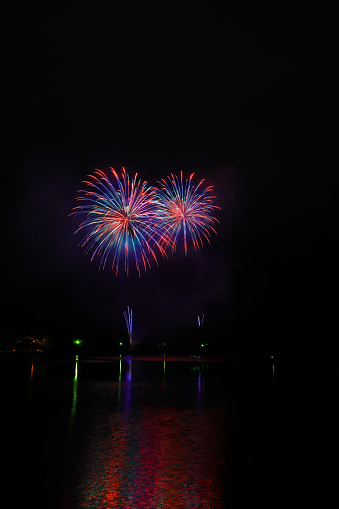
(129, 323)
(185, 210)
(120, 220)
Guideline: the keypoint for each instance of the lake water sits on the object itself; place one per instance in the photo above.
(166, 433)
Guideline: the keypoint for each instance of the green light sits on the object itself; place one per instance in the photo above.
(77, 341)
(120, 344)
(202, 345)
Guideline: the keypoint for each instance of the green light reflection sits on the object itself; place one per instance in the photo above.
(75, 393)
(119, 384)
(76, 367)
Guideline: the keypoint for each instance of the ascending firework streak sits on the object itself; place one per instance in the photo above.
(186, 211)
(201, 320)
(129, 323)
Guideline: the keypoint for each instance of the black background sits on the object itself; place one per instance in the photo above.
(242, 94)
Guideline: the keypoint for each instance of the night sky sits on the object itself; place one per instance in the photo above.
(244, 95)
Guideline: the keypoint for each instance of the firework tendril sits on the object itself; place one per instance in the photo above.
(186, 211)
(120, 219)
(126, 219)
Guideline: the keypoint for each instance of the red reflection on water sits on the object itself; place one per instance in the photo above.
(155, 458)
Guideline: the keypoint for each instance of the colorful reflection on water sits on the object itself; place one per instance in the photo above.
(100, 433)
(138, 453)
(165, 433)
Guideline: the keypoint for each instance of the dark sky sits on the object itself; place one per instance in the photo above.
(244, 95)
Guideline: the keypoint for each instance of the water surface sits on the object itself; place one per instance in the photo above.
(159, 432)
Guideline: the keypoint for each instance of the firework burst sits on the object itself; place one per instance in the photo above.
(186, 211)
(120, 220)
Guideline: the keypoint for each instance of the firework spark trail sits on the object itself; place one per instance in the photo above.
(120, 220)
(201, 320)
(129, 323)
(185, 210)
